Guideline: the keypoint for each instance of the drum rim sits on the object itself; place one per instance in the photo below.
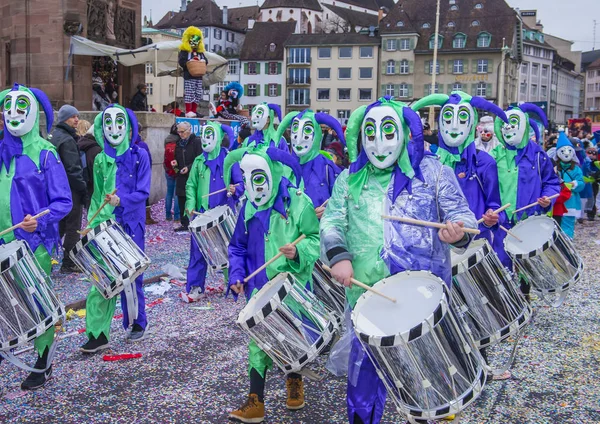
(40, 329)
(15, 256)
(269, 307)
(410, 334)
(540, 249)
(505, 332)
(91, 235)
(469, 262)
(199, 228)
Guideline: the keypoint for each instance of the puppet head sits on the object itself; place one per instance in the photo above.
(234, 90)
(192, 40)
(564, 148)
(112, 129)
(21, 107)
(515, 131)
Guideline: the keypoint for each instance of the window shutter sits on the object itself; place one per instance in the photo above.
(488, 91)
(411, 66)
(473, 89)
(412, 43)
(427, 65)
(442, 66)
(384, 44)
(425, 90)
(397, 66)
(267, 90)
(245, 88)
(246, 69)
(278, 68)
(474, 66)
(396, 90)
(382, 90)
(384, 67)
(450, 66)
(440, 88)
(490, 66)
(258, 88)
(279, 88)
(258, 70)
(267, 68)
(410, 91)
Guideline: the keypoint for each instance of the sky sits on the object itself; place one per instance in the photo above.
(568, 19)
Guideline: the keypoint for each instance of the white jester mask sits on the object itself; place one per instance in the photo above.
(456, 123)
(302, 136)
(258, 179)
(565, 153)
(20, 112)
(114, 125)
(209, 138)
(382, 136)
(260, 116)
(514, 131)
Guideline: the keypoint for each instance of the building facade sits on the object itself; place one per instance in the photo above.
(535, 72)
(331, 73)
(592, 91)
(566, 91)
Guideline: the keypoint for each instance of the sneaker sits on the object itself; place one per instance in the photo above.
(70, 269)
(504, 376)
(190, 115)
(252, 411)
(37, 380)
(193, 296)
(180, 229)
(95, 344)
(212, 108)
(295, 394)
(137, 334)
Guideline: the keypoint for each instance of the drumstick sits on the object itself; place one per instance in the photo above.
(426, 223)
(324, 203)
(496, 211)
(363, 286)
(218, 191)
(198, 213)
(509, 233)
(273, 259)
(14, 227)
(98, 211)
(554, 196)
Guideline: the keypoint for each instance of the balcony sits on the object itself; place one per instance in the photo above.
(298, 102)
(298, 81)
(299, 62)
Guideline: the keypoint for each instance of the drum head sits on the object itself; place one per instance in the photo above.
(418, 294)
(262, 297)
(474, 247)
(8, 250)
(210, 217)
(534, 231)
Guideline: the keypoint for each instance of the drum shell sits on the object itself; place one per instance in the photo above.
(327, 290)
(213, 238)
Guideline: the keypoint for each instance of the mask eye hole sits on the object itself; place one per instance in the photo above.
(448, 115)
(295, 127)
(22, 104)
(370, 131)
(308, 130)
(259, 179)
(463, 116)
(108, 122)
(389, 129)
(514, 120)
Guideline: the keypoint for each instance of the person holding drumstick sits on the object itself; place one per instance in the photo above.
(274, 214)
(123, 166)
(388, 178)
(32, 179)
(206, 176)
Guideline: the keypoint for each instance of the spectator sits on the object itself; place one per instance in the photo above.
(89, 148)
(330, 137)
(336, 149)
(143, 145)
(174, 109)
(591, 171)
(171, 202)
(188, 148)
(63, 138)
(139, 102)
(242, 135)
(100, 99)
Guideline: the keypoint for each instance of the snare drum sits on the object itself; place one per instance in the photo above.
(110, 258)
(28, 305)
(429, 365)
(288, 323)
(327, 290)
(486, 295)
(546, 257)
(213, 231)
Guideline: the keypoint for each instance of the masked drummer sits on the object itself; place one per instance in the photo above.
(123, 166)
(275, 214)
(386, 179)
(32, 179)
(475, 170)
(526, 174)
(206, 176)
(318, 171)
(262, 121)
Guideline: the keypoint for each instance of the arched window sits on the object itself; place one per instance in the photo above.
(272, 47)
(426, 25)
(460, 41)
(451, 24)
(454, 7)
(484, 39)
(475, 23)
(391, 67)
(479, 6)
(440, 41)
(399, 24)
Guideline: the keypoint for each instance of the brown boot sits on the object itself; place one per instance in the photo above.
(252, 411)
(295, 394)
(149, 220)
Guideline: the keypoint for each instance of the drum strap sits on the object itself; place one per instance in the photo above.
(132, 300)
(10, 357)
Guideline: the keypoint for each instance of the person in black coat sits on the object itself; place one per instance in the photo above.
(139, 102)
(188, 148)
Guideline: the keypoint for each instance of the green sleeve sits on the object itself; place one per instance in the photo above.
(98, 195)
(191, 188)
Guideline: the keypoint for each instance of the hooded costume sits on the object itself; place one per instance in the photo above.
(191, 48)
(387, 178)
(319, 172)
(571, 177)
(123, 166)
(32, 179)
(525, 172)
(228, 108)
(206, 176)
(263, 123)
(486, 126)
(475, 170)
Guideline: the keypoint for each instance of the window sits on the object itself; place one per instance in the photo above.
(524, 67)
(365, 73)
(523, 88)
(324, 52)
(218, 33)
(454, 7)
(299, 76)
(534, 90)
(365, 94)
(544, 71)
(457, 86)
(251, 90)
(405, 44)
(149, 88)
(345, 52)
(451, 24)
(440, 40)
(343, 116)
(404, 67)
(252, 66)
(273, 90)
(272, 47)
(149, 68)
(437, 67)
(299, 56)
(403, 90)
(232, 67)
(325, 111)
(273, 68)
(426, 25)
(390, 45)
(475, 23)
(460, 41)
(428, 88)
(228, 51)
(400, 24)
(171, 90)
(527, 50)
(458, 66)
(484, 39)
(322, 94)
(324, 73)
(479, 6)
(299, 97)
(390, 69)
(344, 73)
(366, 52)
(535, 69)
(482, 66)
(389, 90)
(482, 89)
(230, 36)
(544, 91)
(343, 94)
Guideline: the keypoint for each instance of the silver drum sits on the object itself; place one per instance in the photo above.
(213, 231)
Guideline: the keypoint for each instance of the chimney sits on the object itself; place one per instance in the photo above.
(380, 17)
(183, 6)
(225, 20)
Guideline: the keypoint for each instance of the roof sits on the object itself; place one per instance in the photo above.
(369, 4)
(353, 17)
(200, 13)
(257, 41)
(495, 17)
(587, 58)
(595, 64)
(536, 42)
(238, 16)
(163, 21)
(298, 4)
(335, 39)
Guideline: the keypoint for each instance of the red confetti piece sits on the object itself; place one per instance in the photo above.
(121, 357)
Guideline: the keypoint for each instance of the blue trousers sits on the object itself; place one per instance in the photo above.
(137, 235)
(170, 197)
(196, 273)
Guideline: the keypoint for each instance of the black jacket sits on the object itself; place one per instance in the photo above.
(63, 138)
(185, 155)
(183, 60)
(88, 145)
(139, 102)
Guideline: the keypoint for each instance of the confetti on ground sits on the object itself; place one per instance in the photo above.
(194, 363)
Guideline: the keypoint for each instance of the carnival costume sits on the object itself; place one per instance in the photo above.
(191, 48)
(571, 176)
(486, 128)
(263, 123)
(385, 178)
(229, 108)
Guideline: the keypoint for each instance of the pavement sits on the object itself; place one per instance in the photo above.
(193, 367)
